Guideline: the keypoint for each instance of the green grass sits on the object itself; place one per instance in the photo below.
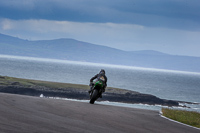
(187, 117)
(4, 80)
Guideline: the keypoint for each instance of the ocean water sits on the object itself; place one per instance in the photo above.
(166, 84)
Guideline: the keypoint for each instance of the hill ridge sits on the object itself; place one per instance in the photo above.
(74, 50)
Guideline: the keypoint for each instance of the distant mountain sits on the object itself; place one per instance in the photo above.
(70, 49)
(148, 52)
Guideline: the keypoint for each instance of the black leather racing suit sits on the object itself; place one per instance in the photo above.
(96, 77)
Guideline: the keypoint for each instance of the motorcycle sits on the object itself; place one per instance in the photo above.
(96, 92)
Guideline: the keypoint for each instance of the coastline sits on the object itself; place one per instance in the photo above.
(74, 91)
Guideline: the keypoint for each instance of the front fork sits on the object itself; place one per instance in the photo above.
(100, 93)
(92, 89)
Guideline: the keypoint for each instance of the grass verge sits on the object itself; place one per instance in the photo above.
(5, 80)
(187, 117)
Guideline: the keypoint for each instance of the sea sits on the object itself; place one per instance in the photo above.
(165, 84)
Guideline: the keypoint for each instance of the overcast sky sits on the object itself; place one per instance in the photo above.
(169, 26)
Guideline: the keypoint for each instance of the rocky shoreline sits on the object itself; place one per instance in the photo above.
(36, 88)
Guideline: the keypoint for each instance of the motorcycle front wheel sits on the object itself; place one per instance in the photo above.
(94, 96)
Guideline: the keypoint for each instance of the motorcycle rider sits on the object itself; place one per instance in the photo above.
(102, 76)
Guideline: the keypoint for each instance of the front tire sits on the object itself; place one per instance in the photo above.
(94, 96)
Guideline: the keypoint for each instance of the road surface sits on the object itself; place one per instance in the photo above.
(26, 114)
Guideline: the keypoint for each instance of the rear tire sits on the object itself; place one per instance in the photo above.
(94, 96)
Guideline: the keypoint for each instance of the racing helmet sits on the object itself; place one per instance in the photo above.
(102, 71)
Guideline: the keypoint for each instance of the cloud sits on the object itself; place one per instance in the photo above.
(177, 14)
(6, 25)
(68, 28)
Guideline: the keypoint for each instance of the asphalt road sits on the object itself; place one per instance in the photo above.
(25, 114)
